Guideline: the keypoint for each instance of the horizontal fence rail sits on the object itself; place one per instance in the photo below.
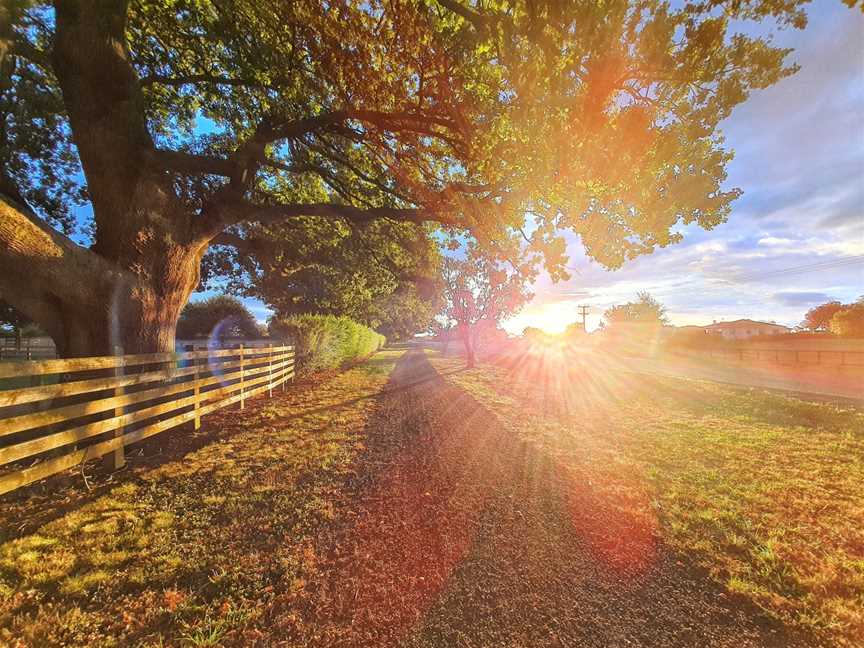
(26, 351)
(57, 414)
(829, 357)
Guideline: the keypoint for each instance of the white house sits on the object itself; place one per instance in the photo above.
(745, 328)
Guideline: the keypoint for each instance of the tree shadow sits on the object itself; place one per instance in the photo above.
(27, 509)
(461, 531)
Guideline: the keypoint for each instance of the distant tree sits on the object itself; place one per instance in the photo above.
(849, 322)
(477, 289)
(222, 316)
(819, 317)
(533, 333)
(645, 310)
(403, 313)
(575, 332)
(442, 330)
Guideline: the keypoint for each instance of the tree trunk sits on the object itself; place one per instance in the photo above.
(88, 304)
(470, 360)
(128, 290)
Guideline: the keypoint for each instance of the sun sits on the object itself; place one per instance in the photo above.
(550, 317)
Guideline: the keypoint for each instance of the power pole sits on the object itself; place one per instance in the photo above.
(584, 311)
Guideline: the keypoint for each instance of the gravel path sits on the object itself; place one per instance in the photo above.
(459, 534)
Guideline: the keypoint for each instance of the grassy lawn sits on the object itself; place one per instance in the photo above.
(189, 551)
(765, 492)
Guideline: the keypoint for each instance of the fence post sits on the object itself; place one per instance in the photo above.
(270, 370)
(117, 459)
(242, 381)
(197, 393)
(285, 369)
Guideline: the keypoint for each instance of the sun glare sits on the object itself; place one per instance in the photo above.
(551, 318)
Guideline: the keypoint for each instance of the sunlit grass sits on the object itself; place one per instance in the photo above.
(188, 553)
(765, 492)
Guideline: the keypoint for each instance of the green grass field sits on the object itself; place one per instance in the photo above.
(767, 492)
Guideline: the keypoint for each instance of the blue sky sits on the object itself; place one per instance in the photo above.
(800, 161)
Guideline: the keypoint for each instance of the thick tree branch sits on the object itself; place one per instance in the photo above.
(241, 211)
(271, 129)
(231, 240)
(45, 275)
(192, 163)
(103, 99)
(333, 210)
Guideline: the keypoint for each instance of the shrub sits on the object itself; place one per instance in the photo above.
(849, 322)
(326, 341)
(221, 316)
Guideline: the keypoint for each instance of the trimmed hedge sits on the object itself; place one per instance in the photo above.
(326, 341)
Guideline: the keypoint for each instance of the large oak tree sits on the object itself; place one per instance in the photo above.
(182, 122)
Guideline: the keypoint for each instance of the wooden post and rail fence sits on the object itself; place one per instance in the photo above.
(823, 357)
(58, 414)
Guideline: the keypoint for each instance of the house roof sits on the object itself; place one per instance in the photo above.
(744, 323)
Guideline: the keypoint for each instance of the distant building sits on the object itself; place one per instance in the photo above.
(745, 328)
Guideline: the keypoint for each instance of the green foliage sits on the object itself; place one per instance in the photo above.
(38, 163)
(221, 316)
(645, 310)
(382, 274)
(325, 342)
(849, 322)
(404, 313)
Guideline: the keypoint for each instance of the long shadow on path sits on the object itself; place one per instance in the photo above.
(460, 533)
